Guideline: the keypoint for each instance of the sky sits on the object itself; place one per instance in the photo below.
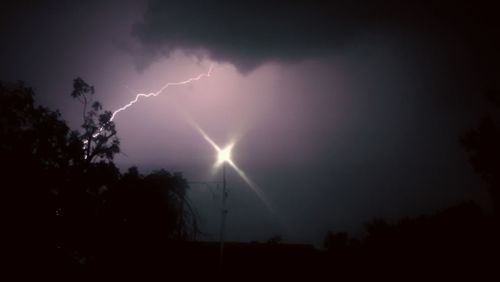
(340, 111)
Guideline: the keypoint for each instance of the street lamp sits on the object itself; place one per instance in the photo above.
(223, 157)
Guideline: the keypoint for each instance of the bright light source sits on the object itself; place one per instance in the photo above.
(224, 155)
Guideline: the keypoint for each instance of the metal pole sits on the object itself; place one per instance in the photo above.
(223, 214)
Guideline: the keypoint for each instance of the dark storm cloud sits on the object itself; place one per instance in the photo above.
(249, 33)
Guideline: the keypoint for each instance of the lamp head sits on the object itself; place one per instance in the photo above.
(224, 154)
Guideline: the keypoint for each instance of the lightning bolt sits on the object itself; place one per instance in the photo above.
(152, 94)
(160, 91)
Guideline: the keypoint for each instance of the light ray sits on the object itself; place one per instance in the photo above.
(239, 171)
(252, 186)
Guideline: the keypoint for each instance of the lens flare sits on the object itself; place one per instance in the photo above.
(224, 155)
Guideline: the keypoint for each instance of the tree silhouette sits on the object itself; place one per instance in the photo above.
(482, 146)
(275, 240)
(99, 132)
(336, 241)
(154, 204)
(70, 206)
(38, 150)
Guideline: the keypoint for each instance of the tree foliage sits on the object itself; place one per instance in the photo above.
(483, 147)
(99, 132)
(69, 203)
